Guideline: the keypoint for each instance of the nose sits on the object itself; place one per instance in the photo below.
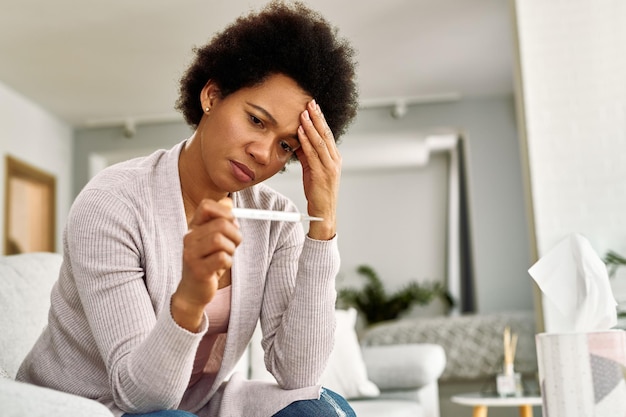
(261, 151)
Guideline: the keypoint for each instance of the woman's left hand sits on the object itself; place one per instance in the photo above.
(321, 170)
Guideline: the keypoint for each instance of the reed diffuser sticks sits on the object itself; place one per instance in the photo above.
(509, 382)
(510, 344)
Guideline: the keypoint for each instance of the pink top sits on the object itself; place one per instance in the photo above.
(211, 348)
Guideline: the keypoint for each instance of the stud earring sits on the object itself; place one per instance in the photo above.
(207, 109)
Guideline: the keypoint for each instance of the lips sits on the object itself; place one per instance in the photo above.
(242, 172)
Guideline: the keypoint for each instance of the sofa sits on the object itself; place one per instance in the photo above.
(25, 284)
(393, 381)
(474, 352)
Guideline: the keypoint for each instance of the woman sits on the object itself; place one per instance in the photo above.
(161, 287)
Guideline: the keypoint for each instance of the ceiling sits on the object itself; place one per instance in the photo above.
(95, 63)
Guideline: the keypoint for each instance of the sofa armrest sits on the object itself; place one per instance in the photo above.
(22, 399)
(405, 366)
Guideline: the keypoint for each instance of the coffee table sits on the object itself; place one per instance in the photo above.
(481, 402)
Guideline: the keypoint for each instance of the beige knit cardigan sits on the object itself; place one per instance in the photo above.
(111, 336)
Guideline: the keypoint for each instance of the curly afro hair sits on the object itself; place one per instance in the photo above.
(289, 39)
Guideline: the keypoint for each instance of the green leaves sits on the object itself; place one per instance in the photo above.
(613, 261)
(376, 305)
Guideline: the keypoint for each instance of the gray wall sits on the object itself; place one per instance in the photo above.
(111, 143)
(499, 226)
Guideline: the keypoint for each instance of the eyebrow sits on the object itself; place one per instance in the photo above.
(262, 110)
(270, 117)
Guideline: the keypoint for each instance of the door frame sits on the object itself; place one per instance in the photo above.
(19, 169)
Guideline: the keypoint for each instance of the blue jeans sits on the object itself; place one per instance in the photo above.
(330, 404)
(163, 413)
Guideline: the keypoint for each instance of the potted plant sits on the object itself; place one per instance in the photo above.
(613, 261)
(376, 305)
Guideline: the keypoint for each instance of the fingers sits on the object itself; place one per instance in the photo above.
(210, 209)
(208, 249)
(315, 135)
(321, 165)
(215, 237)
(213, 228)
(212, 238)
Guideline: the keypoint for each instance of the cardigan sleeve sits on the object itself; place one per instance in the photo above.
(148, 357)
(298, 313)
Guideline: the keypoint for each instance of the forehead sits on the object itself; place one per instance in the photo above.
(278, 86)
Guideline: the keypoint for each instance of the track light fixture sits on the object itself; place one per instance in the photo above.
(399, 105)
(399, 110)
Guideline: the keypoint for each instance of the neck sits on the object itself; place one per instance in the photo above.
(194, 183)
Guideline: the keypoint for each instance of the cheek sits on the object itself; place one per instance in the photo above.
(231, 133)
(272, 170)
(224, 128)
(285, 158)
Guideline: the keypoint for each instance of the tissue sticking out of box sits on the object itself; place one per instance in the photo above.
(577, 294)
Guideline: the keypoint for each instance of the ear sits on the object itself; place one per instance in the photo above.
(209, 94)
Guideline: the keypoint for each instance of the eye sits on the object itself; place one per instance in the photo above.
(255, 120)
(286, 147)
(289, 146)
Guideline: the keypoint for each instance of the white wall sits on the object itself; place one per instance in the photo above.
(573, 69)
(574, 86)
(32, 135)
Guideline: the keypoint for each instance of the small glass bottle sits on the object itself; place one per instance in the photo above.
(509, 382)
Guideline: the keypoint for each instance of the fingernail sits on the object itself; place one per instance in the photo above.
(313, 103)
(306, 115)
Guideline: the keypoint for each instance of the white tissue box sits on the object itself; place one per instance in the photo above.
(583, 374)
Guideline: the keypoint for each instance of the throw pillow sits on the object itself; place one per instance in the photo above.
(346, 373)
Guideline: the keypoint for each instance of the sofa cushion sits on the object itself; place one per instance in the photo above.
(386, 408)
(409, 366)
(26, 281)
(346, 373)
(19, 399)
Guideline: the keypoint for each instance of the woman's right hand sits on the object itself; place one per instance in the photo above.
(208, 249)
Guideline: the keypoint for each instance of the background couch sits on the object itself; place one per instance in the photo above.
(392, 381)
(473, 344)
